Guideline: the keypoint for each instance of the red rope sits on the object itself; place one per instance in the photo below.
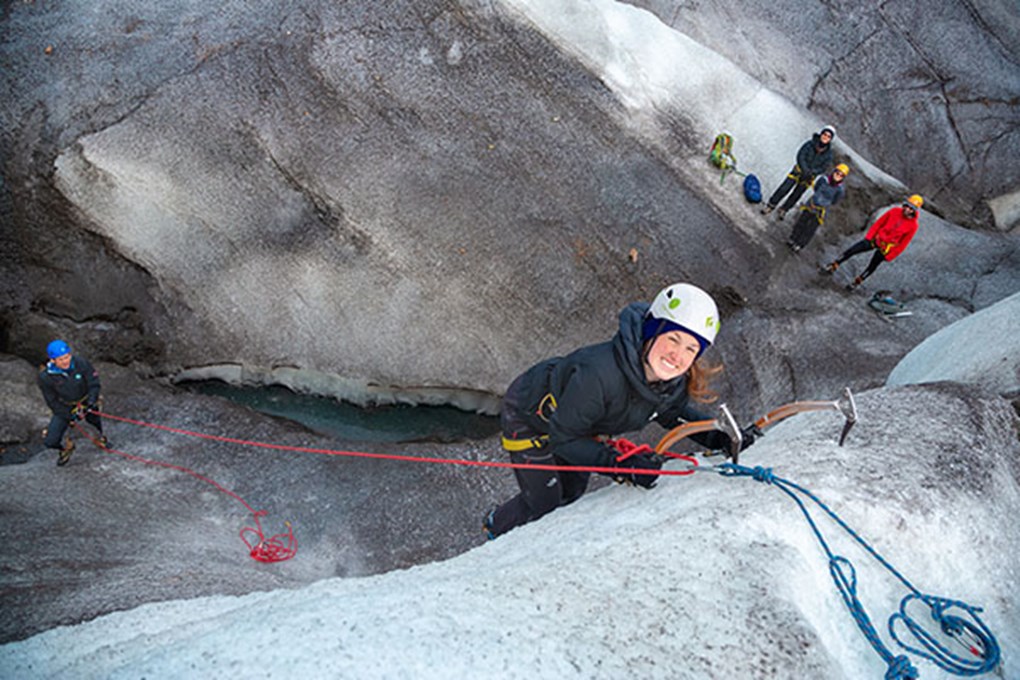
(272, 549)
(263, 550)
(284, 546)
(423, 459)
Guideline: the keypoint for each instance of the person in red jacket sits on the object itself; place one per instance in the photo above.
(888, 237)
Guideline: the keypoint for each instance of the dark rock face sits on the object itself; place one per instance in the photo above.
(314, 193)
(931, 93)
(395, 194)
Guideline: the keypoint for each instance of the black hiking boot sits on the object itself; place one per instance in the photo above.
(780, 214)
(103, 442)
(853, 284)
(794, 247)
(767, 209)
(832, 267)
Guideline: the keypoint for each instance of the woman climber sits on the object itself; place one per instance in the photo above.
(829, 190)
(555, 411)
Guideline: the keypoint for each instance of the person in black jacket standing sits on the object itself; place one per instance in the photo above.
(553, 412)
(70, 386)
(813, 159)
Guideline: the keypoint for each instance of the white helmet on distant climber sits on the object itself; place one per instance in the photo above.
(685, 308)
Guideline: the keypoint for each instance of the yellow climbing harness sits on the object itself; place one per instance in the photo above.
(536, 442)
(546, 407)
(797, 176)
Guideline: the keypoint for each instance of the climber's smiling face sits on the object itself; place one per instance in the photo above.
(670, 355)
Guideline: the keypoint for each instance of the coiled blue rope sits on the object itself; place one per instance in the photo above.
(973, 635)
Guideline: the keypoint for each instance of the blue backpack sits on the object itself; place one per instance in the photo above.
(752, 189)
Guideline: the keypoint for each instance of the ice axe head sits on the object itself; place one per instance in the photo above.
(848, 408)
(728, 425)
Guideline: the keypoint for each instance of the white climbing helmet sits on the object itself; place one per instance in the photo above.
(687, 307)
(830, 128)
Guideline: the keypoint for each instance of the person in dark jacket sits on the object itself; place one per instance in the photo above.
(70, 386)
(813, 159)
(888, 237)
(553, 413)
(829, 191)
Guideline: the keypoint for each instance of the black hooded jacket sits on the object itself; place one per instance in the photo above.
(63, 389)
(814, 158)
(601, 390)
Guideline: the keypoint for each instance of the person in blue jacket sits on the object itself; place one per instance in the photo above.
(829, 191)
(813, 159)
(554, 412)
(70, 386)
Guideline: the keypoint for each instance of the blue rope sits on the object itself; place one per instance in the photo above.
(980, 642)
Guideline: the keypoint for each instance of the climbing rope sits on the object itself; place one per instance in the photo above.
(973, 636)
(284, 546)
(274, 549)
(411, 459)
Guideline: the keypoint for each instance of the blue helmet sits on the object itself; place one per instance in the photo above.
(57, 348)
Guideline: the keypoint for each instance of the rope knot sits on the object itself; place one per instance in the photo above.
(900, 669)
(762, 474)
(950, 624)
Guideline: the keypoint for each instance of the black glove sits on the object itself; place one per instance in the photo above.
(641, 461)
(749, 434)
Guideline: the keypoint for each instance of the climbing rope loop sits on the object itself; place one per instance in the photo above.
(982, 653)
(980, 643)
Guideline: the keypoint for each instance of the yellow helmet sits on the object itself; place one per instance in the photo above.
(843, 168)
(916, 201)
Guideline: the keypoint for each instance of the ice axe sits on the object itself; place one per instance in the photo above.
(724, 423)
(727, 424)
(845, 405)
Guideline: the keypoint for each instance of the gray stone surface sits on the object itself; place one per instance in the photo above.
(106, 532)
(928, 91)
(423, 197)
(325, 189)
(981, 349)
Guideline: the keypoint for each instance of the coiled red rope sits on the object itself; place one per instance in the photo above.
(277, 548)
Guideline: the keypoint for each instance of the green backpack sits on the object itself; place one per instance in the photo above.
(721, 155)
